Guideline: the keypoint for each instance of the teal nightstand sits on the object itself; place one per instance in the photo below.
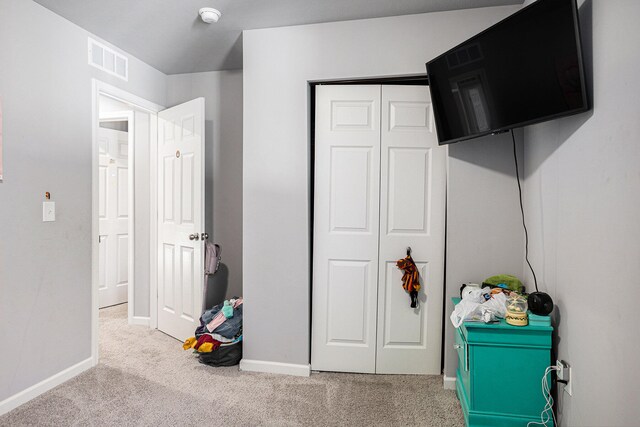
(500, 368)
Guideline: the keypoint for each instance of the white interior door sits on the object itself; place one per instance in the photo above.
(180, 217)
(346, 218)
(113, 210)
(412, 214)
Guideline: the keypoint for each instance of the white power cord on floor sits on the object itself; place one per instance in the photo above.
(546, 393)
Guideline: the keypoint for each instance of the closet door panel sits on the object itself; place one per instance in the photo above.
(347, 302)
(408, 190)
(412, 203)
(403, 329)
(350, 200)
(346, 228)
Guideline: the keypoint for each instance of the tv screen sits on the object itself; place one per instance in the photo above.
(523, 70)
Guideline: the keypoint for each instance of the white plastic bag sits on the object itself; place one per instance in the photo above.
(464, 310)
(497, 304)
(474, 295)
(474, 307)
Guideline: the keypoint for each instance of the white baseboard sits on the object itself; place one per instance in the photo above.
(140, 321)
(275, 367)
(449, 383)
(36, 390)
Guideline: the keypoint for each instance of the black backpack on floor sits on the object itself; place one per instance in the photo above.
(228, 355)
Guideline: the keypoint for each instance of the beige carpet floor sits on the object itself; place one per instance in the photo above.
(144, 378)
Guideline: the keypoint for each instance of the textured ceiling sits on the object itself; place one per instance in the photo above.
(169, 35)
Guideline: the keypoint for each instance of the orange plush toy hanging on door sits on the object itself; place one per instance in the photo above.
(410, 278)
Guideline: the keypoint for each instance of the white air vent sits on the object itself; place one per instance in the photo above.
(108, 60)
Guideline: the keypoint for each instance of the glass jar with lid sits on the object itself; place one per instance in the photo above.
(517, 310)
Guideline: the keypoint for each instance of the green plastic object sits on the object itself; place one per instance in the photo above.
(227, 309)
(499, 371)
(505, 281)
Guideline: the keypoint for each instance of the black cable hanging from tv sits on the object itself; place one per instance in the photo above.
(526, 233)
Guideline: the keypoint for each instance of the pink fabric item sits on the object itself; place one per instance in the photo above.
(217, 321)
(219, 318)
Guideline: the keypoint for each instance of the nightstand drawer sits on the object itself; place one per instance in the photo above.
(462, 349)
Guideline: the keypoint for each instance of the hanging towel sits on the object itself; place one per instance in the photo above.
(212, 256)
(410, 278)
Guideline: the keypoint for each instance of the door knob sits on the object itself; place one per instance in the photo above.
(205, 236)
(194, 236)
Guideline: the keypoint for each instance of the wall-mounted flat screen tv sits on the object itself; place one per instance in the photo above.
(523, 70)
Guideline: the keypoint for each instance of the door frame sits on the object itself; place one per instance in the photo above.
(101, 88)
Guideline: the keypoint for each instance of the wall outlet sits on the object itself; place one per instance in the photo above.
(564, 376)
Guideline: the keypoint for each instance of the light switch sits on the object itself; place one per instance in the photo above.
(48, 211)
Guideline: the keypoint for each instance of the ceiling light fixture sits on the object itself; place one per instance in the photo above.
(210, 15)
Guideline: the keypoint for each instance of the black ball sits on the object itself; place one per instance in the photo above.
(540, 303)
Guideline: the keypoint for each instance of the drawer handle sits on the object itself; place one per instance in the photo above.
(457, 346)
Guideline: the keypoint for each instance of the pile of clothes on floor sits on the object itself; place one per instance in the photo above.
(218, 339)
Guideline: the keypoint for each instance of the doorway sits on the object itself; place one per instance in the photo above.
(124, 136)
(163, 245)
(115, 206)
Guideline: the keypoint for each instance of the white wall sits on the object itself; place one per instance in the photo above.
(278, 63)
(484, 223)
(45, 268)
(110, 105)
(142, 212)
(583, 204)
(222, 91)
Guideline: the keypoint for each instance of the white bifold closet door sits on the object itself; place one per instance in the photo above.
(412, 214)
(379, 188)
(346, 221)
